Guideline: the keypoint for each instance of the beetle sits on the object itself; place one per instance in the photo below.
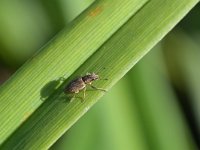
(80, 83)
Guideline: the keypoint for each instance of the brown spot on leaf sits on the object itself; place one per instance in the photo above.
(96, 11)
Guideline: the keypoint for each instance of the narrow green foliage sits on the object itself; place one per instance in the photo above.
(67, 53)
(162, 120)
(184, 67)
(21, 95)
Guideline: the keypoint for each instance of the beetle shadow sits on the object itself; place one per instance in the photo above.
(50, 88)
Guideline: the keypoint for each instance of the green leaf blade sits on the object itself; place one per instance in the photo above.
(22, 92)
(117, 55)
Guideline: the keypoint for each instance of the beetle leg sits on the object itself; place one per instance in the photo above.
(84, 93)
(73, 97)
(61, 78)
(100, 89)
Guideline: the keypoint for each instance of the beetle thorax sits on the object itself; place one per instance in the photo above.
(89, 78)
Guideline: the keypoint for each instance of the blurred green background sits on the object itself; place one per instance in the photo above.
(156, 106)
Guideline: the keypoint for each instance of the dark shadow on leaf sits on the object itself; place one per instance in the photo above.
(50, 88)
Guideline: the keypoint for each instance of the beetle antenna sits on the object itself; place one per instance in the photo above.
(103, 79)
(99, 71)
